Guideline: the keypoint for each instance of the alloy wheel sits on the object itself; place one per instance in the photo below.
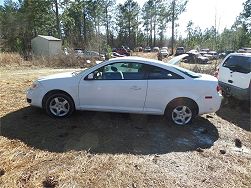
(59, 106)
(181, 115)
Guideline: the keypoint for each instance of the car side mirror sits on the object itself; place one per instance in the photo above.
(90, 76)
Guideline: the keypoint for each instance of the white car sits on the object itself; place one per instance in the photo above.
(89, 55)
(214, 54)
(155, 49)
(130, 85)
(164, 52)
(234, 76)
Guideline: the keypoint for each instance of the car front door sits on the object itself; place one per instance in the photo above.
(119, 87)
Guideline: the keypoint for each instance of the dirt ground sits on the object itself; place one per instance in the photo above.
(96, 149)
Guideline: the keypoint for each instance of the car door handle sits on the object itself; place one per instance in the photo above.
(135, 88)
(230, 81)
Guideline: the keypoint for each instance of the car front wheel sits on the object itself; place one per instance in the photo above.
(59, 105)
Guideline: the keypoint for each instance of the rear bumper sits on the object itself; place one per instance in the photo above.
(236, 92)
(209, 105)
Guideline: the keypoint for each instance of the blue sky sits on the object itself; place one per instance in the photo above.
(203, 13)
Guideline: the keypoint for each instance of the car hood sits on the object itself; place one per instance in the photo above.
(56, 76)
(207, 55)
(177, 59)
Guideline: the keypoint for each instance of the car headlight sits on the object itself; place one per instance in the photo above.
(35, 85)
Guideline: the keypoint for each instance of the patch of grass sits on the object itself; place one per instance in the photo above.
(50, 182)
(10, 59)
(13, 60)
(2, 172)
(202, 68)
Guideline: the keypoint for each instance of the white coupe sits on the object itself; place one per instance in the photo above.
(130, 85)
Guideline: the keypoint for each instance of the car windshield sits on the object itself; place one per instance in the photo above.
(188, 72)
(179, 48)
(82, 70)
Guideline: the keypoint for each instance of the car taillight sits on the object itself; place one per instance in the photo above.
(216, 74)
(218, 89)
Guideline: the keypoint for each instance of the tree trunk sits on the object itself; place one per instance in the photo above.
(57, 19)
(84, 30)
(173, 26)
(151, 31)
(154, 32)
(107, 25)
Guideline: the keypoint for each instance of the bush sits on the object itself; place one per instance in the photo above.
(10, 59)
(202, 68)
(57, 61)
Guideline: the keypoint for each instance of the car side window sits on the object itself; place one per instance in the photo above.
(238, 64)
(157, 73)
(120, 71)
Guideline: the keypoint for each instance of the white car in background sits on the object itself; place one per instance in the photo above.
(130, 85)
(164, 52)
(214, 54)
(234, 76)
(89, 55)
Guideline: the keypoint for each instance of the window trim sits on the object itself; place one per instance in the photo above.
(145, 76)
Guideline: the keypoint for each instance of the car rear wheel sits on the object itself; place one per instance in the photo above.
(181, 112)
(59, 105)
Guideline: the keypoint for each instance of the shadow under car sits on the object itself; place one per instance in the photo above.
(99, 132)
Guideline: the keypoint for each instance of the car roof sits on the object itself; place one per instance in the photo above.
(240, 54)
(150, 61)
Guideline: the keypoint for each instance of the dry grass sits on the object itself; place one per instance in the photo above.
(12, 60)
(63, 61)
(150, 55)
(200, 68)
(203, 68)
(114, 150)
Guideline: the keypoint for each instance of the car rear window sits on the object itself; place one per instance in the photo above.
(180, 48)
(157, 73)
(238, 63)
(188, 72)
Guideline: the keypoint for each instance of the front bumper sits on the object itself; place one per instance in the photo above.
(34, 96)
(236, 92)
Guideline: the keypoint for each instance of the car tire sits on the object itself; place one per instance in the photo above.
(181, 112)
(59, 105)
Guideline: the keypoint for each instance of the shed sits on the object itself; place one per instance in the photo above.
(46, 45)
